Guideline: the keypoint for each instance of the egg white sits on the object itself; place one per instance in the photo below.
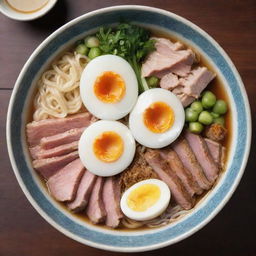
(153, 211)
(141, 133)
(108, 111)
(91, 162)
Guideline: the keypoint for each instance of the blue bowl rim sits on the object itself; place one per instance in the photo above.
(227, 196)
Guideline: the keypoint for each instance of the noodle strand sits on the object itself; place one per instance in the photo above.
(58, 88)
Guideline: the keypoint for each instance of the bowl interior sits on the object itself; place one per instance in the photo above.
(53, 212)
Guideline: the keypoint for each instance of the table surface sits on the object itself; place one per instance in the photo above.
(231, 232)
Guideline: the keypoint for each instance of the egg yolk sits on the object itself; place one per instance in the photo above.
(158, 117)
(109, 87)
(143, 197)
(108, 147)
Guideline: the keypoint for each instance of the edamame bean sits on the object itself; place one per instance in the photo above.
(205, 118)
(82, 49)
(208, 99)
(215, 115)
(219, 120)
(191, 115)
(152, 81)
(197, 106)
(220, 107)
(196, 127)
(91, 41)
(94, 52)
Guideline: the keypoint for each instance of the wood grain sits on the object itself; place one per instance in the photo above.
(232, 232)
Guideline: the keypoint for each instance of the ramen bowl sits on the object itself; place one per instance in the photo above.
(121, 240)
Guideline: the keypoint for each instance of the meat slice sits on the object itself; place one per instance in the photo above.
(63, 184)
(161, 167)
(188, 158)
(39, 153)
(169, 81)
(111, 199)
(195, 82)
(215, 150)
(163, 45)
(49, 166)
(185, 99)
(203, 156)
(61, 138)
(34, 151)
(83, 192)
(95, 209)
(44, 128)
(167, 58)
(184, 175)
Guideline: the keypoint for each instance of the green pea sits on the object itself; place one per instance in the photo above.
(82, 49)
(191, 115)
(152, 81)
(219, 120)
(197, 106)
(91, 41)
(208, 99)
(205, 118)
(94, 52)
(196, 127)
(220, 107)
(215, 115)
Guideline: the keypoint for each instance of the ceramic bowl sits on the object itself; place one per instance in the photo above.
(141, 240)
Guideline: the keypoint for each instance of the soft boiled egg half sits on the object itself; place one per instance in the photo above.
(108, 87)
(145, 200)
(157, 118)
(106, 148)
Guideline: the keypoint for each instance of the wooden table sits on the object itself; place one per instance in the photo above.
(232, 232)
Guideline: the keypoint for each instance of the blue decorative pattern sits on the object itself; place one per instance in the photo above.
(148, 239)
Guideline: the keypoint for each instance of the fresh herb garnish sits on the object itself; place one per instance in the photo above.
(130, 42)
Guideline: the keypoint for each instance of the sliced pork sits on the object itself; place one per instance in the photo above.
(161, 167)
(44, 128)
(111, 199)
(169, 81)
(184, 175)
(96, 209)
(185, 99)
(167, 58)
(163, 45)
(193, 84)
(188, 158)
(199, 147)
(215, 149)
(61, 138)
(49, 166)
(38, 153)
(34, 151)
(83, 192)
(63, 185)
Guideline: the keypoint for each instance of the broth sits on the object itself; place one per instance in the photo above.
(217, 87)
